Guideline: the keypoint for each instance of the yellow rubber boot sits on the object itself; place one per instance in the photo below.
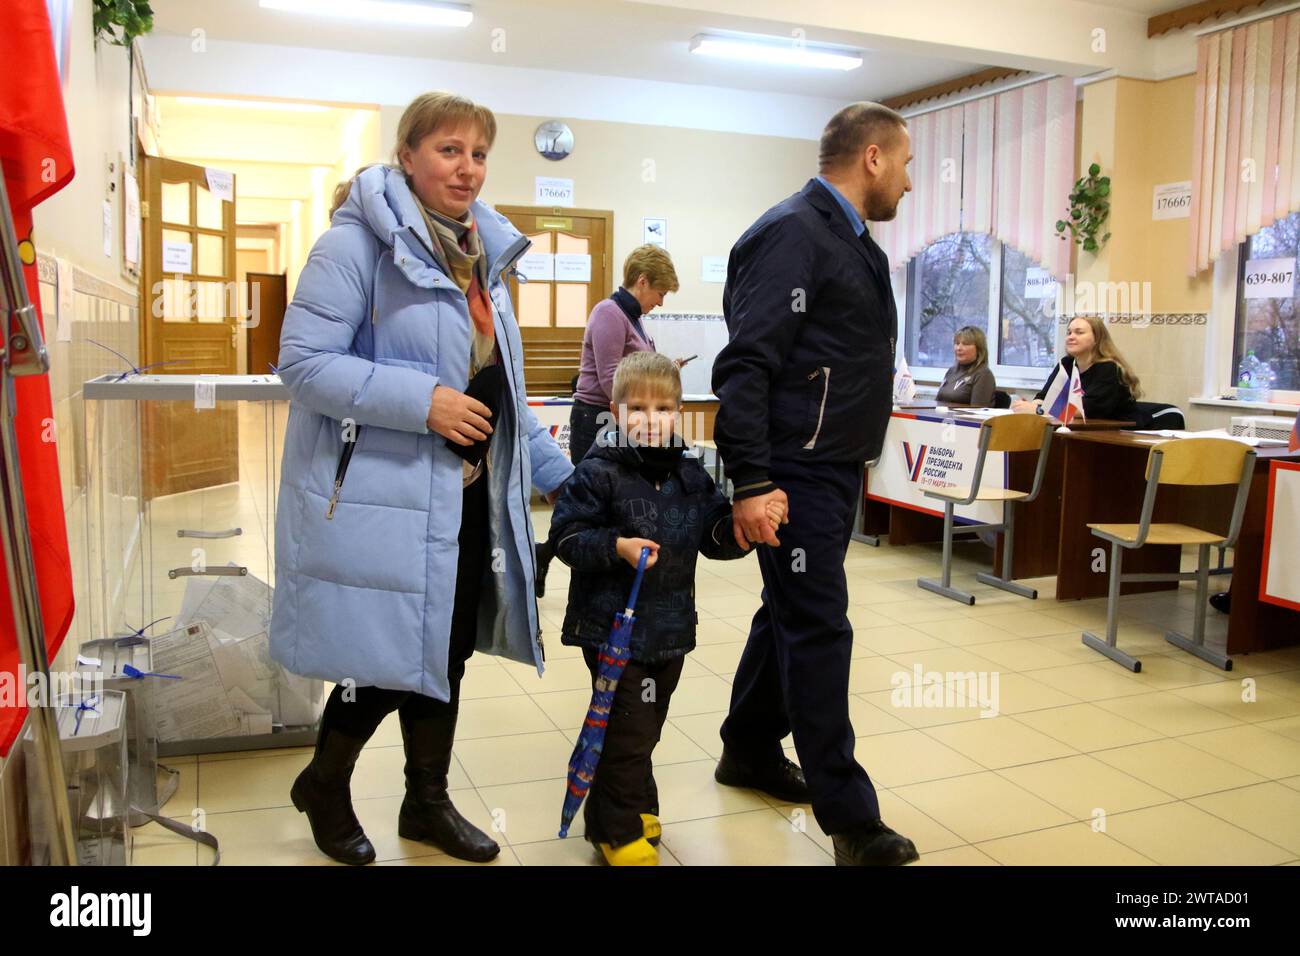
(650, 828)
(637, 853)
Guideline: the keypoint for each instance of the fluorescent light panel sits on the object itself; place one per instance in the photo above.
(252, 104)
(382, 11)
(779, 50)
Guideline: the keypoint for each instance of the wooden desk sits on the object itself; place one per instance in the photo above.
(1104, 480)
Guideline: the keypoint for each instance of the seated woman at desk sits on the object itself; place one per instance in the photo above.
(1109, 385)
(970, 381)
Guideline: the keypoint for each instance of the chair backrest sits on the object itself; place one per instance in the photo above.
(1016, 432)
(1199, 461)
(1001, 399)
(1160, 415)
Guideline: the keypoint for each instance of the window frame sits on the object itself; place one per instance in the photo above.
(1227, 374)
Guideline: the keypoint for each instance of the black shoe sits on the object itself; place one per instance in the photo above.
(323, 792)
(783, 779)
(427, 813)
(1222, 602)
(544, 556)
(873, 844)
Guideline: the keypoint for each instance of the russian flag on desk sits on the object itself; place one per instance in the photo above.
(36, 157)
(1064, 399)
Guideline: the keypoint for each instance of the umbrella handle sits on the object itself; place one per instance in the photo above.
(636, 582)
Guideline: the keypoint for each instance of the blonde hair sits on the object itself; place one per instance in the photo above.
(426, 114)
(655, 264)
(651, 371)
(1105, 350)
(971, 335)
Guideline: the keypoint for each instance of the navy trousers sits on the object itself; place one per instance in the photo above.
(794, 673)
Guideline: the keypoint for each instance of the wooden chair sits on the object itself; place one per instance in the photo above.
(1003, 433)
(1184, 461)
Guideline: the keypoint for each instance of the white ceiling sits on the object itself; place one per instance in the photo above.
(601, 37)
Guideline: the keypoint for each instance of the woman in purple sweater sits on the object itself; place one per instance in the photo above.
(614, 329)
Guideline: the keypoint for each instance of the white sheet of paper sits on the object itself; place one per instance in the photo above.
(552, 191)
(178, 257)
(197, 706)
(131, 214)
(654, 232)
(713, 268)
(1171, 200)
(537, 267)
(108, 229)
(67, 302)
(221, 184)
(237, 606)
(1269, 278)
(572, 267)
(1039, 284)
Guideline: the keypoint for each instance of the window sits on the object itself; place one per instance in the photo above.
(968, 278)
(1269, 327)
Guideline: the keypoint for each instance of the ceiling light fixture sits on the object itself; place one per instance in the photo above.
(381, 11)
(252, 104)
(779, 50)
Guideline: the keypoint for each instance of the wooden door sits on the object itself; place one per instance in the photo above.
(267, 295)
(191, 324)
(553, 315)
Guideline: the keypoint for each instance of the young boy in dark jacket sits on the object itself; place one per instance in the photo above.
(636, 489)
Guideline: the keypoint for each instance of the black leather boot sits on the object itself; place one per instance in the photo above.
(427, 814)
(323, 792)
(873, 844)
(782, 779)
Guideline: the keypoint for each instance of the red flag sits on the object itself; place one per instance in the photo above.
(1294, 443)
(36, 156)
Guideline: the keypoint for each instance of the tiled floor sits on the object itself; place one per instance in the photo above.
(1084, 763)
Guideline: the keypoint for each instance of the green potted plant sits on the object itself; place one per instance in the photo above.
(121, 21)
(1089, 207)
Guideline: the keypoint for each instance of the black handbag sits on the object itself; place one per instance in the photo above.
(488, 386)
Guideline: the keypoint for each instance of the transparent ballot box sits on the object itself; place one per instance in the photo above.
(181, 497)
(92, 736)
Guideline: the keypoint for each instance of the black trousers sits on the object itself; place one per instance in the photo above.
(623, 787)
(583, 428)
(794, 671)
(362, 716)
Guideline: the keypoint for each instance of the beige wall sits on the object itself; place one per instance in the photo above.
(1140, 132)
(709, 186)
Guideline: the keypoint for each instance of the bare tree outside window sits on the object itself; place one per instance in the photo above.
(1270, 327)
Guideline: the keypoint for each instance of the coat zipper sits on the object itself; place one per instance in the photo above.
(344, 459)
(821, 410)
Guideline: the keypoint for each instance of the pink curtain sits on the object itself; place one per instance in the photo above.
(1002, 164)
(1245, 154)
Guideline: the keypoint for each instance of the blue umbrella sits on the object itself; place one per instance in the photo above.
(613, 656)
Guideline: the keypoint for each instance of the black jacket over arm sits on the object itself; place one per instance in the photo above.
(807, 374)
(1104, 394)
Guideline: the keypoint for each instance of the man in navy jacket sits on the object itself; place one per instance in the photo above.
(805, 388)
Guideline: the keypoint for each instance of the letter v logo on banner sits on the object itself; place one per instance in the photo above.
(914, 464)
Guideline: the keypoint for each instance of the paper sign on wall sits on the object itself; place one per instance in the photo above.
(572, 267)
(221, 184)
(177, 257)
(1269, 279)
(66, 302)
(131, 215)
(1172, 200)
(654, 232)
(108, 229)
(537, 267)
(1039, 284)
(713, 268)
(550, 191)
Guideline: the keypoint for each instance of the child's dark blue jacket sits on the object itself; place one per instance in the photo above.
(608, 498)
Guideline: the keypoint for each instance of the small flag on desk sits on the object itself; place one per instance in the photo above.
(1294, 443)
(904, 386)
(1064, 399)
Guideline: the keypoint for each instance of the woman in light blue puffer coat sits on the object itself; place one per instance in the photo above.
(402, 545)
